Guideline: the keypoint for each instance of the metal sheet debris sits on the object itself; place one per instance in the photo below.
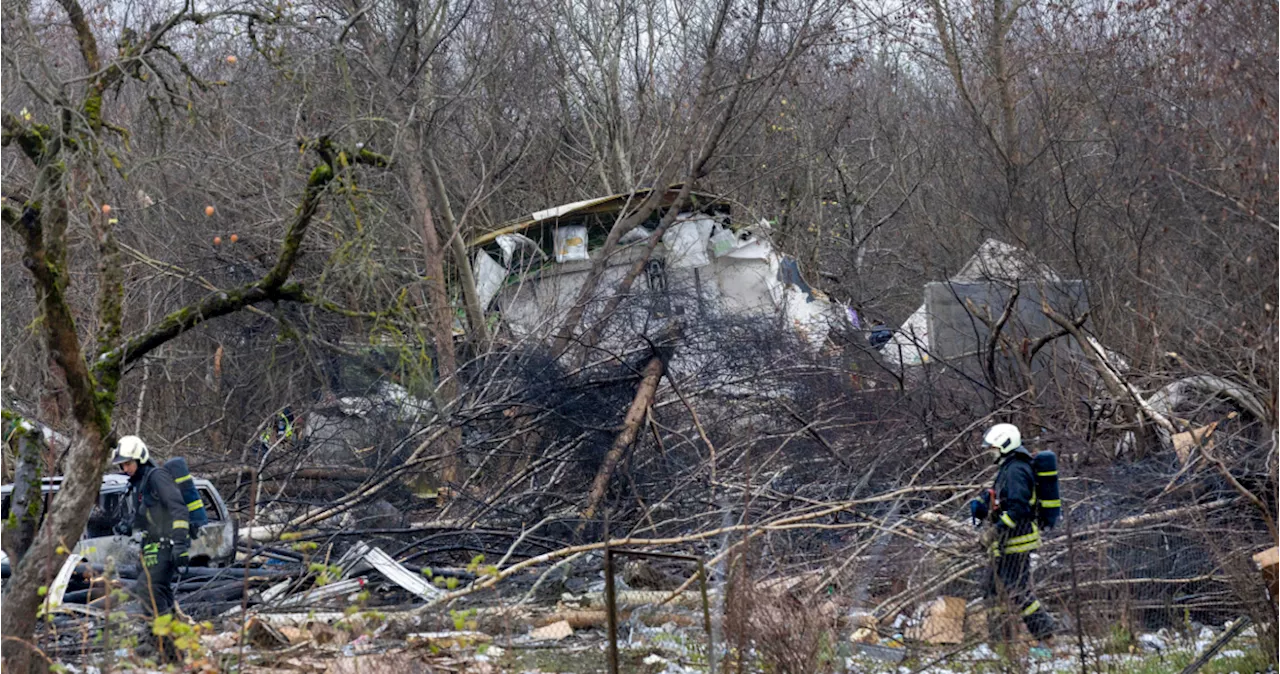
(338, 589)
(489, 277)
(53, 600)
(401, 576)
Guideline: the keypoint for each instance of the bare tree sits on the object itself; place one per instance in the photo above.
(730, 72)
(39, 208)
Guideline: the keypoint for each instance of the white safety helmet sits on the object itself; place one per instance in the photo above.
(1004, 437)
(131, 448)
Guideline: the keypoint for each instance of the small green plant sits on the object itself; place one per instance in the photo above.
(463, 620)
(478, 567)
(1119, 640)
(446, 582)
(185, 637)
(325, 573)
(305, 547)
(118, 624)
(360, 599)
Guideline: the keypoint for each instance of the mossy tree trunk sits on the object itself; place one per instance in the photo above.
(92, 371)
(93, 393)
(26, 507)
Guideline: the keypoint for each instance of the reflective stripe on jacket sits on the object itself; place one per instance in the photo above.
(1015, 488)
(283, 427)
(159, 510)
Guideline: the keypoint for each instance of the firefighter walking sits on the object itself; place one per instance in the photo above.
(1014, 512)
(160, 512)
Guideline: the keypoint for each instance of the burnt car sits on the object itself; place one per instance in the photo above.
(215, 546)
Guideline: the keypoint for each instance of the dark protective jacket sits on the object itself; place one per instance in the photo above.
(158, 508)
(1015, 518)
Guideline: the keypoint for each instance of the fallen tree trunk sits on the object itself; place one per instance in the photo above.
(1111, 377)
(315, 473)
(651, 375)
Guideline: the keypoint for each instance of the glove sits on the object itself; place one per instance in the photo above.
(122, 528)
(181, 559)
(977, 510)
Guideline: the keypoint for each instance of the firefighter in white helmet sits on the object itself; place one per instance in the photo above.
(161, 514)
(1008, 507)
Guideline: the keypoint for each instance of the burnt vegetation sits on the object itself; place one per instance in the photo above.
(214, 222)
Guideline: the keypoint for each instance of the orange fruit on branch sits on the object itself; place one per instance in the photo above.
(208, 210)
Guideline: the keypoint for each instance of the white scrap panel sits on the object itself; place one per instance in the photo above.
(571, 243)
(53, 598)
(686, 243)
(401, 576)
(904, 348)
(489, 277)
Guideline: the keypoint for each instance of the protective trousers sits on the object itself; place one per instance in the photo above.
(1009, 592)
(154, 586)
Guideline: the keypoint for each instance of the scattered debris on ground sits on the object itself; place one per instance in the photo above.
(366, 610)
